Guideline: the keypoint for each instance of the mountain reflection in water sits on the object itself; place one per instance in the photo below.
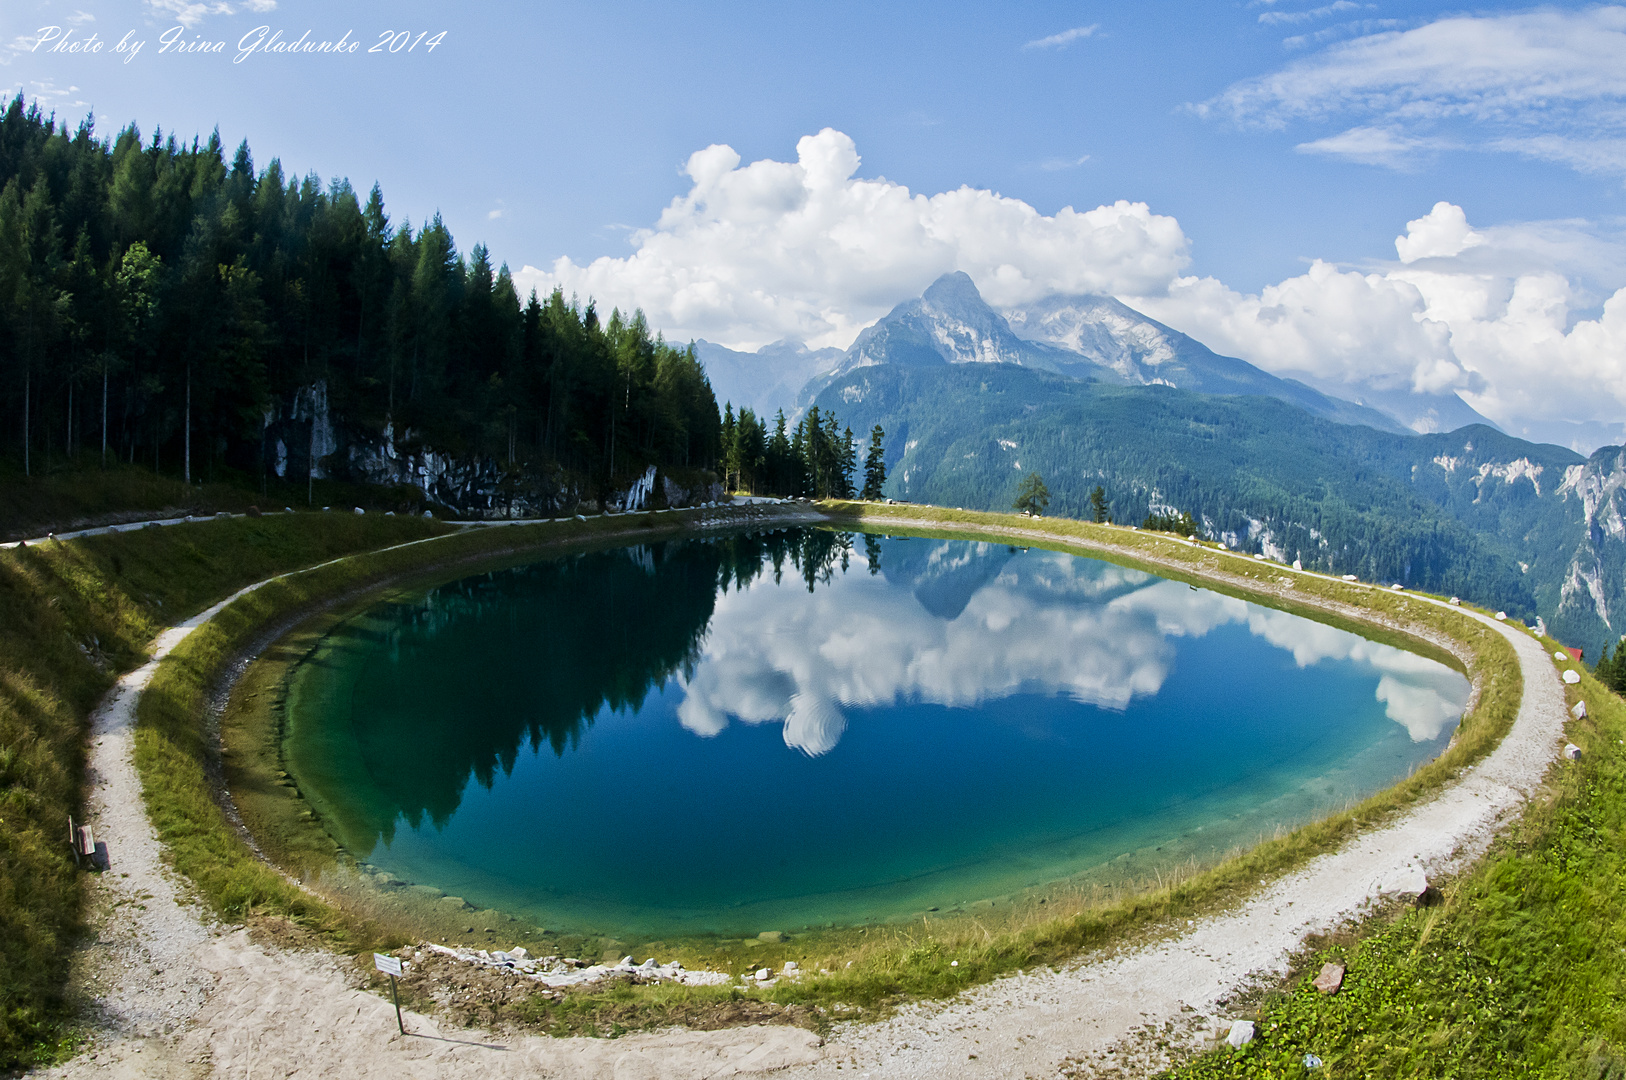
(804, 628)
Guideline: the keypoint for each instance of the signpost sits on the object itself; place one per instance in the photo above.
(390, 966)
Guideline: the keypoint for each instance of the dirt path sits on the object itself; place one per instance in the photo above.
(180, 997)
(1076, 1018)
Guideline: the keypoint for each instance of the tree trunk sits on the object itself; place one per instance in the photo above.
(104, 415)
(28, 376)
(187, 470)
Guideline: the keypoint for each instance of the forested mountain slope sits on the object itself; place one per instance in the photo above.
(1534, 529)
(211, 321)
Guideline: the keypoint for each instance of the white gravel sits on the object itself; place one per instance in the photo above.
(179, 997)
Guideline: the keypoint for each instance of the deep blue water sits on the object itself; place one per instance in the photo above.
(679, 738)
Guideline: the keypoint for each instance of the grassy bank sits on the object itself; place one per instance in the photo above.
(1518, 973)
(872, 968)
(174, 749)
(73, 616)
(78, 494)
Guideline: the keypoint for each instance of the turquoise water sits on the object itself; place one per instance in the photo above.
(804, 727)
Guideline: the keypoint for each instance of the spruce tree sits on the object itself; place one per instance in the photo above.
(846, 464)
(1032, 497)
(1098, 503)
(875, 465)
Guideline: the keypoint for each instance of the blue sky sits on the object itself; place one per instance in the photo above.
(1261, 137)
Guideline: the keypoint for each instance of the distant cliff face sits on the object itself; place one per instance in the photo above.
(1592, 597)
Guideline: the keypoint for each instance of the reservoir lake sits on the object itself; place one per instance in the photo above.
(804, 727)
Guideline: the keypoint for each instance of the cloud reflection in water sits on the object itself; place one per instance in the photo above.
(959, 624)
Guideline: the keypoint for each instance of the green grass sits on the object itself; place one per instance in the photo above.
(72, 617)
(66, 496)
(173, 748)
(1522, 970)
(873, 969)
(888, 964)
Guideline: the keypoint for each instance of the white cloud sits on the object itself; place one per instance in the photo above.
(1271, 18)
(754, 253)
(189, 13)
(1546, 83)
(1492, 314)
(1063, 39)
(1047, 624)
(1387, 146)
(1443, 231)
(1062, 164)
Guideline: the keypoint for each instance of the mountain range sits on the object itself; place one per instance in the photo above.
(1095, 338)
(1397, 487)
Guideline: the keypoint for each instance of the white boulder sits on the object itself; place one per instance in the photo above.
(1241, 1034)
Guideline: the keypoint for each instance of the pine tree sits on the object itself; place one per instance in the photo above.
(875, 466)
(847, 464)
(1032, 497)
(1098, 503)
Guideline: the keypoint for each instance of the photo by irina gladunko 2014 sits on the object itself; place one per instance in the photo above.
(794, 534)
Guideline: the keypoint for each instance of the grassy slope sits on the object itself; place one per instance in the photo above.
(890, 964)
(1518, 973)
(72, 616)
(887, 964)
(65, 497)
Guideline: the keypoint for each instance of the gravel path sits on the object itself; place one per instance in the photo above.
(181, 997)
(1077, 1019)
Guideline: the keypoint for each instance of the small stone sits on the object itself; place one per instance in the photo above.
(519, 952)
(1241, 1034)
(1456, 601)
(650, 963)
(1560, 656)
(763, 974)
(1501, 616)
(772, 937)
(625, 961)
(1572, 752)
(1311, 1061)
(791, 967)
(1331, 979)
(1579, 712)
(359, 510)
(1572, 677)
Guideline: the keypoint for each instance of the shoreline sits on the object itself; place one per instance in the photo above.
(1247, 585)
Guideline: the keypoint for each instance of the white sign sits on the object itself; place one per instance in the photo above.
(389, 965)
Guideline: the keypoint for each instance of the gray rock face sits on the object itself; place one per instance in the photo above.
(1088, 337)
(303, 437)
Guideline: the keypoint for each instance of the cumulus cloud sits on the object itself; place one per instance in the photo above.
(1492, 314)
(1044, 624)
(1547, 84)
(1522, 320)
(1443, 231)
(1334, 324)
(805, 249)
